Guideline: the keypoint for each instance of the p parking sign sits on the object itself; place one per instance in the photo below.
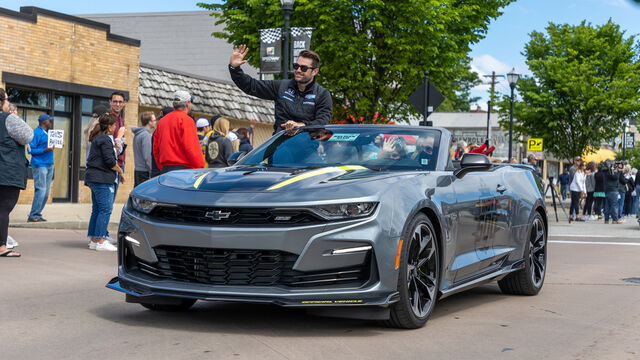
(534, 144)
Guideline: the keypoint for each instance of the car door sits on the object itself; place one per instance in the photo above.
(473, 198)
(495, 216)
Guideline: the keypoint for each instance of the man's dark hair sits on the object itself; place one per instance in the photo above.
(119, 93)
(315, 58)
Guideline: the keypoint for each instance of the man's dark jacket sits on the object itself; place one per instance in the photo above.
(313, 106)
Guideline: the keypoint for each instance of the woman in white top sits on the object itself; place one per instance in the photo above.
(578, 189)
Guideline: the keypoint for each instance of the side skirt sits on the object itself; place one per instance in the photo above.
(494, 276)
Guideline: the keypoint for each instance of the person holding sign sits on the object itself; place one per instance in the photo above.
(298, 102)
(41, 166)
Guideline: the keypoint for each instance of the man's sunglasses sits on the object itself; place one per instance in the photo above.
(304, 68)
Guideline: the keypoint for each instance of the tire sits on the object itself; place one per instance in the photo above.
(184, 304)
(529, 280)
(418, 275)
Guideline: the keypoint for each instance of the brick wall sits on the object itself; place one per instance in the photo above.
(67, 51)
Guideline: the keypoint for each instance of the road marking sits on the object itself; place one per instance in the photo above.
(594, 236)
(594, 242)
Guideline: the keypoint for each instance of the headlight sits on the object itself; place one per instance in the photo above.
(143, 206)
(345, 211)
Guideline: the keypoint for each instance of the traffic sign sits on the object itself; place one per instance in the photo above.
(434, 98)
(534, 144)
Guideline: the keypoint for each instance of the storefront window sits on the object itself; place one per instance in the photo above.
(62, 103)
(28, 97)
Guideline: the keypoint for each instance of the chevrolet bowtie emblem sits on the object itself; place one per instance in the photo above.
(217, 215)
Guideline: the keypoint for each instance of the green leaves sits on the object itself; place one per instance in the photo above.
(586, 82)
(374, 52)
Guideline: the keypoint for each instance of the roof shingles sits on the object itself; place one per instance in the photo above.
(157, 86)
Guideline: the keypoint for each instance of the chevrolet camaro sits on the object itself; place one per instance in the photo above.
(366, 221)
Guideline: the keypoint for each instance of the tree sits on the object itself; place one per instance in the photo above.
(374, 52)
(460, 100)
(585, 83)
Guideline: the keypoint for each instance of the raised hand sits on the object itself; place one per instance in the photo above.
(237, 58)
(389, 144)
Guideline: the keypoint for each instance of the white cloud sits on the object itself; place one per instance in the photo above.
(617, 3)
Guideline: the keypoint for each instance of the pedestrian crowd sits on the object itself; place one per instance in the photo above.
(608, 190)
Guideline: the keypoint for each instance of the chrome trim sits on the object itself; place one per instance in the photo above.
(351, 250)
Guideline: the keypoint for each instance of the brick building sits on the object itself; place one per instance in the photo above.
(64, 65)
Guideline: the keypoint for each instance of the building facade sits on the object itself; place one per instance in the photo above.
(64, 65)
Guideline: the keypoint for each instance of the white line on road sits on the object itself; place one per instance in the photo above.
(594, 242)
(594, 236)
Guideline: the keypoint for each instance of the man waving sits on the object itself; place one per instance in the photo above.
(299, 102)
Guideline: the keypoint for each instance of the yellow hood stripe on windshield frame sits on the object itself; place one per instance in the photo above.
(315, 173)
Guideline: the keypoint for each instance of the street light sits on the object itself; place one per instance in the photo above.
(512, 77)
(287, 7)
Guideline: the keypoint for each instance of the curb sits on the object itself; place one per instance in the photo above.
(61, 225)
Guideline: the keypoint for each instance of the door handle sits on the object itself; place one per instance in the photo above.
(501, 189)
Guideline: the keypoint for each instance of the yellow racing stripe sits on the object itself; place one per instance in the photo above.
(316, 173)
(197, 183)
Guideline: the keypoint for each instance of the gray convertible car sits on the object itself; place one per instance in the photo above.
(359, 221)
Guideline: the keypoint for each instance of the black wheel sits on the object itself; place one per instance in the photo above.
(418, 276)
(184, 304)
(528, 281)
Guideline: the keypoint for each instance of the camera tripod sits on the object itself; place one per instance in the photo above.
(554, 196)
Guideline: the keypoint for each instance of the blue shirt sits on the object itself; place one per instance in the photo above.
(40, 142)
(564, 179)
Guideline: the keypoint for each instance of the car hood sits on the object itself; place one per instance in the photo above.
(263, 179)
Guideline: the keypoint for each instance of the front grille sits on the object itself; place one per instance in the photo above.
(242, 267)
(224, 216)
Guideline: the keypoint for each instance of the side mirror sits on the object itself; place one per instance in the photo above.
(472, 162)
(235, 157)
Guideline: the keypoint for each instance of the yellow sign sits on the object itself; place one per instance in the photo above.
(534, 144)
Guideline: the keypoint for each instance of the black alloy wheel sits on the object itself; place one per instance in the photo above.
(528, 281)
(418, 276)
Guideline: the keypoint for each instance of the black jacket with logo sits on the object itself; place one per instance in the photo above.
(313, 106)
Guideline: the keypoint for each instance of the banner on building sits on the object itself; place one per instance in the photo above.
(270, 51)
(300, 40)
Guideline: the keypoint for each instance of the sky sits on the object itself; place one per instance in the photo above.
(500, 51)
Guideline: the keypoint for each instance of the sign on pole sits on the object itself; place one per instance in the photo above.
(426, 98)
(534, 144)
(629, 141)
(301, 40)
(270, 51)
(56, 139)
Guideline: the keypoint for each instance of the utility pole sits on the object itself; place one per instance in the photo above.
(493, 77)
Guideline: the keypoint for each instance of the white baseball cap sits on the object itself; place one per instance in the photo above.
(202, 122)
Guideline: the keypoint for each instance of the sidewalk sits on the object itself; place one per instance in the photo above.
(61, 216)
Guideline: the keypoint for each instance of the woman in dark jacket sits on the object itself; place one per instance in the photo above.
(101, 176)
(219, 148)
(14, 135)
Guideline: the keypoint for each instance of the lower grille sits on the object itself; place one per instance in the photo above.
(243, 267)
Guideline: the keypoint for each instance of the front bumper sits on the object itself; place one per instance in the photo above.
(143, 238)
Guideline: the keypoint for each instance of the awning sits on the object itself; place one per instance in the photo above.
(599, 155)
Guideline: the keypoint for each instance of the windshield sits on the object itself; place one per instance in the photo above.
(383, 148)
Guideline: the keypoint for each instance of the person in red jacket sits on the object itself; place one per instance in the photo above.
(175, 142)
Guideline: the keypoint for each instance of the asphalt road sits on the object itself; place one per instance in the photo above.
(55, 306)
